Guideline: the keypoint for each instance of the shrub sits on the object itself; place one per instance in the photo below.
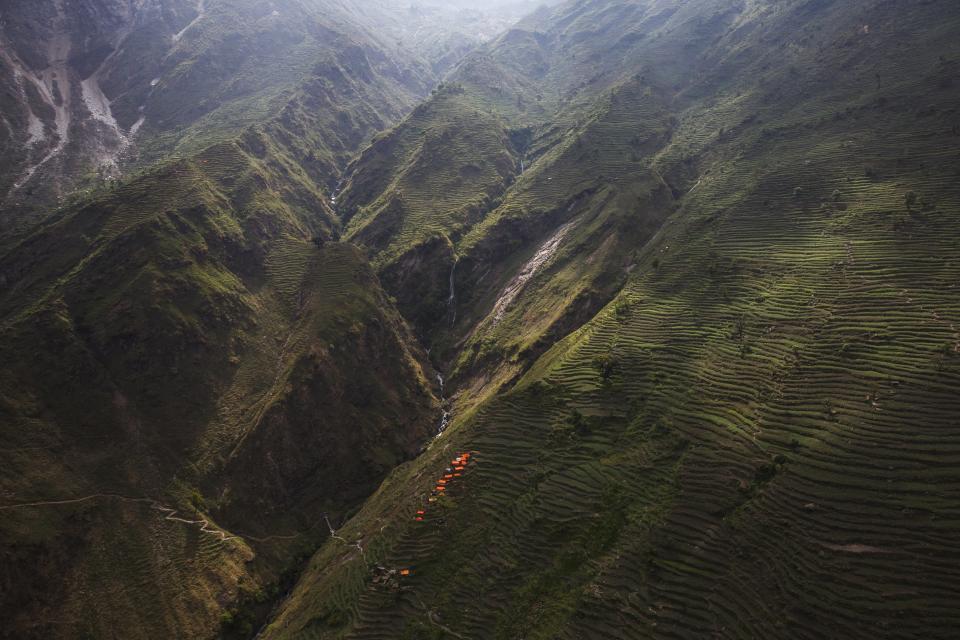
(910, 199)
(606, 365)
(197, 500)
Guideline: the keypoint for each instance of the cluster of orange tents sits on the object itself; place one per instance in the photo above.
(457, 466)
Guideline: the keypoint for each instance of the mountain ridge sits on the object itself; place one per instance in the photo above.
(671, 468)
(679, 277)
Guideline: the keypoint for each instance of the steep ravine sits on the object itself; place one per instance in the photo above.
(55, 87)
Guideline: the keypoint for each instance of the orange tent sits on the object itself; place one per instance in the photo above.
(404, 572)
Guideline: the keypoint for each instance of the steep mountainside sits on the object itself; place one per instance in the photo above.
(687, 269)
(154, 338)
(95, 86)
(756, 434)
(186, 351)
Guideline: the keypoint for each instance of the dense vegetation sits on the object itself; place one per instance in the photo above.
(755, 436)
(689, 270)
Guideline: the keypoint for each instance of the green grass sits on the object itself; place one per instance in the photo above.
(726, 406)
(161, 330)
(754, 438)
(433, 176)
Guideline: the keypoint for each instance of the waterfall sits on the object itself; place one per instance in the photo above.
(335, 194)
(452, 300)
(445, 418)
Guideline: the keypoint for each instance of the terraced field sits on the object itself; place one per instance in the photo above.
(757, 436)
(768, 452)
(434, 176)
(690, 271)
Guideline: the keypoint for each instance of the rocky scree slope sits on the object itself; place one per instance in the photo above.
(92, 88)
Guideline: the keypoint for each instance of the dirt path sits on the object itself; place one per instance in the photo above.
(335, 536)
(170, 514)
(95, 496)
(203, 522)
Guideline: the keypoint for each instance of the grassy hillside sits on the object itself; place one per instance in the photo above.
(131, 86)
(689, 268)
(556, 121)
(154, 337)
(754, 437)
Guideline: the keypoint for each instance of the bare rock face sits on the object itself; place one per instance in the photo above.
(93, 89)
(71, 102)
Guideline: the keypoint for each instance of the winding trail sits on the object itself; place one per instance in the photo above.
(170, 514)
(334, 535)
(203, 522)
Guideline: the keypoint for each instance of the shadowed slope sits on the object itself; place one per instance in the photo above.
(155, 337)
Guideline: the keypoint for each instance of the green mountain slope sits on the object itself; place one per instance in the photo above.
(95, 89)
(755, 436)
(154, 338)
(688, 269)
(578, 101)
